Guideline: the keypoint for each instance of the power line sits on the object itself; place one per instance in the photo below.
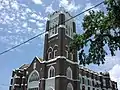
(5, 85)
(85, 11)
(21, 43)
(49, 29)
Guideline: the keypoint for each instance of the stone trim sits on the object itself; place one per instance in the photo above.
(51, 68)
(16, 76)
(46, 32)
(16, 85)
(60, 76)
(51, 64)
(61, 26)
(60, 57)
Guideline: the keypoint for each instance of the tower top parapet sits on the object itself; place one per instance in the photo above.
(56, 13)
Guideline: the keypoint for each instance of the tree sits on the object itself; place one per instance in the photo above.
(101, 30)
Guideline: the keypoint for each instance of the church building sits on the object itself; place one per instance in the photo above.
(59, 69)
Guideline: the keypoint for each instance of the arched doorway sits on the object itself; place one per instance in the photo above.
(33, 81)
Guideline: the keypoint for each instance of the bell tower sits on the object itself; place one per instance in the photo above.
(59, 34)
(60, 29)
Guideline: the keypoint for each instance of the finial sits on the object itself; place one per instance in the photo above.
(62, 9)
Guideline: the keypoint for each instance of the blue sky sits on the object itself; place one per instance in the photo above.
(23, 19)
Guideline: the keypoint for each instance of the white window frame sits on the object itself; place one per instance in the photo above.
(104, 82)
(69, 30)
(50, 32)
(49, 55)
(56, 29)
(71, 74)
(53, 28)
(80, 78)
(71, 54)
(90, 82)
(66, 53)
(49, 76)
(66, 30)
(34, 65)
(55, 53)
(69, 86)
(83, 78)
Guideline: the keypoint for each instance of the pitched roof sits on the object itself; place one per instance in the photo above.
(39, 59)
(24, 66)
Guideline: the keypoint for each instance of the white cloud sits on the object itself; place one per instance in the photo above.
(15, 22)
(110, 61)
(6, 2)
(41, 28)
(37, 1)
(69, 6)
(112, 65)
(1, 7)
(29, 29)
(37, 16)
(39, 24)
(25, 25)
(115, 74)
(40, 18)
(31, 20)
(49, 9)
(46, 18)
(15, 5)
(28, 10)
(87, 0)
(9, 32)
(89, 5)
(34, 15)
(23, 17)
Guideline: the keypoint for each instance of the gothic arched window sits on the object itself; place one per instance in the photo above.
(49, 55)
(53, 30)
(55, 53)
(66, 32)
(69, 73)
(56, 30)
(83, 87)
(33, 81)
(89, 82)
(69, 86)
(71, 56)
(93, 84)
(71, 32)
(83, 80)
(50, 52)
(80, 77)
(55, 49)
(66, 51)
(51, 72)
(50, 32)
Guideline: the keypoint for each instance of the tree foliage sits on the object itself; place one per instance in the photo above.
(101, 29)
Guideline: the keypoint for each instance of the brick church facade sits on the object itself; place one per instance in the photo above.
(59, 69)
